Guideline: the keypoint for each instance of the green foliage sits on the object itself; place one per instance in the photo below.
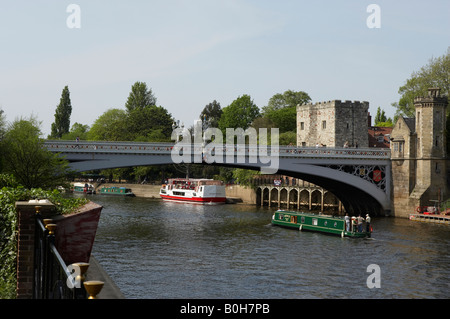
(77, 130)
(282, 109)
(140, 97)
(288, 138)
(25, 157)
(150, 123)
(286, 100)
(2, 133)
(211, 114)
(435, 74)
(142, 121)
(239, 114)
(11, 192)
(244, 177)
(285, 119)
(381, 120)
(110, 126)
(62, 115)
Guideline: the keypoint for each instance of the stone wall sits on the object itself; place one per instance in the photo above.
(419, 164)
(333, 123)
(140, 190)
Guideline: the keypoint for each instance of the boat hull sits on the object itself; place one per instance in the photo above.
(115, 194)
(196, 191)
(196, 200)
(116, 191)
(317, 223)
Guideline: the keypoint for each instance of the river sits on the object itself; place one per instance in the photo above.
(155, 249)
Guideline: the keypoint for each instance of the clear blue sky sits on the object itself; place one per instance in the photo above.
(191, 52)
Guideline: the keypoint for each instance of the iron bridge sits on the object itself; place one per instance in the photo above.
(359, 177)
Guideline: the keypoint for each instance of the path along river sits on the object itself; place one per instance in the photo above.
(155, 249)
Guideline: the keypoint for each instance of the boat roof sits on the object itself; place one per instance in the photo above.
(309, 214)
(82, 184)
(206, 181)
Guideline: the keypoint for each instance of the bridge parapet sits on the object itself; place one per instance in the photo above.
(360, 177)
(167, 148)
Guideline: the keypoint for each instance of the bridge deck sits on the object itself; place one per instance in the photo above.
(167, 148)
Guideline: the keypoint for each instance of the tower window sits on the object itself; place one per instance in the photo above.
(324, 125)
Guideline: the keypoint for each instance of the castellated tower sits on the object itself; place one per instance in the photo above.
(332, 124)
(418, 155)
(431, 146)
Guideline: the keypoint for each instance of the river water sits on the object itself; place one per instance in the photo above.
(155, 249)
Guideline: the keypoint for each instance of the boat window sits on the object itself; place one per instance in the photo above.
(314, 221)
(303, 219)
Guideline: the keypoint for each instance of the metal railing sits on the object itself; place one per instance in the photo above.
(248, 150)
(53, 279)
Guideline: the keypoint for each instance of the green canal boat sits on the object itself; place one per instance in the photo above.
(314, 222)
(119, 191)
(84, 188)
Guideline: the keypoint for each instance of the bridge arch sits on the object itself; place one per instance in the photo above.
(313, 165)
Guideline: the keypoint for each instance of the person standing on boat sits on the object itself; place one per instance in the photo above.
(354, 224)
(367, 223)
(360, 223)
(347, 222)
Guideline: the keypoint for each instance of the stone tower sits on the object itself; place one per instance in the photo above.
(333, 123)
(418, 155)
(431, 145)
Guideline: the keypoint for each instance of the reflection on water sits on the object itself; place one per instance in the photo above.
(155, 249)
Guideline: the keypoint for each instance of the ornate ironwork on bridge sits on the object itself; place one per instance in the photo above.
(352, 174)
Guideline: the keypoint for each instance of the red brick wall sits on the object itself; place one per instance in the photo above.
(25, 247)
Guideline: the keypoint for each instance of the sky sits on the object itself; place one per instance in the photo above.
(191, 52)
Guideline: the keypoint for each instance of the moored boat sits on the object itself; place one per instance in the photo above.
(318, 223)
(85, 188)
(117, 191)
(200, 191)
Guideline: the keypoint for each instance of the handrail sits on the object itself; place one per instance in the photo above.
(167, 148)
(53, 278)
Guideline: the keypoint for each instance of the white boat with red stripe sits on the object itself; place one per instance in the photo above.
(199, 191)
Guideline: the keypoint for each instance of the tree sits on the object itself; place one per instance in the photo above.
(239, 114)
(2, 133)
(140, 97)
(282, 109)
(2, 124)
(77, 130)
(381, 120)
(110, 126)
(435, 74)
(62, 115)
(286, 100)
(150, 123)
(211, 114)
(144, 120)
(288, 138)
(244, 177)
(26, 158)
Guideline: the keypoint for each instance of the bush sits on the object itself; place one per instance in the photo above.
(10, 193)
